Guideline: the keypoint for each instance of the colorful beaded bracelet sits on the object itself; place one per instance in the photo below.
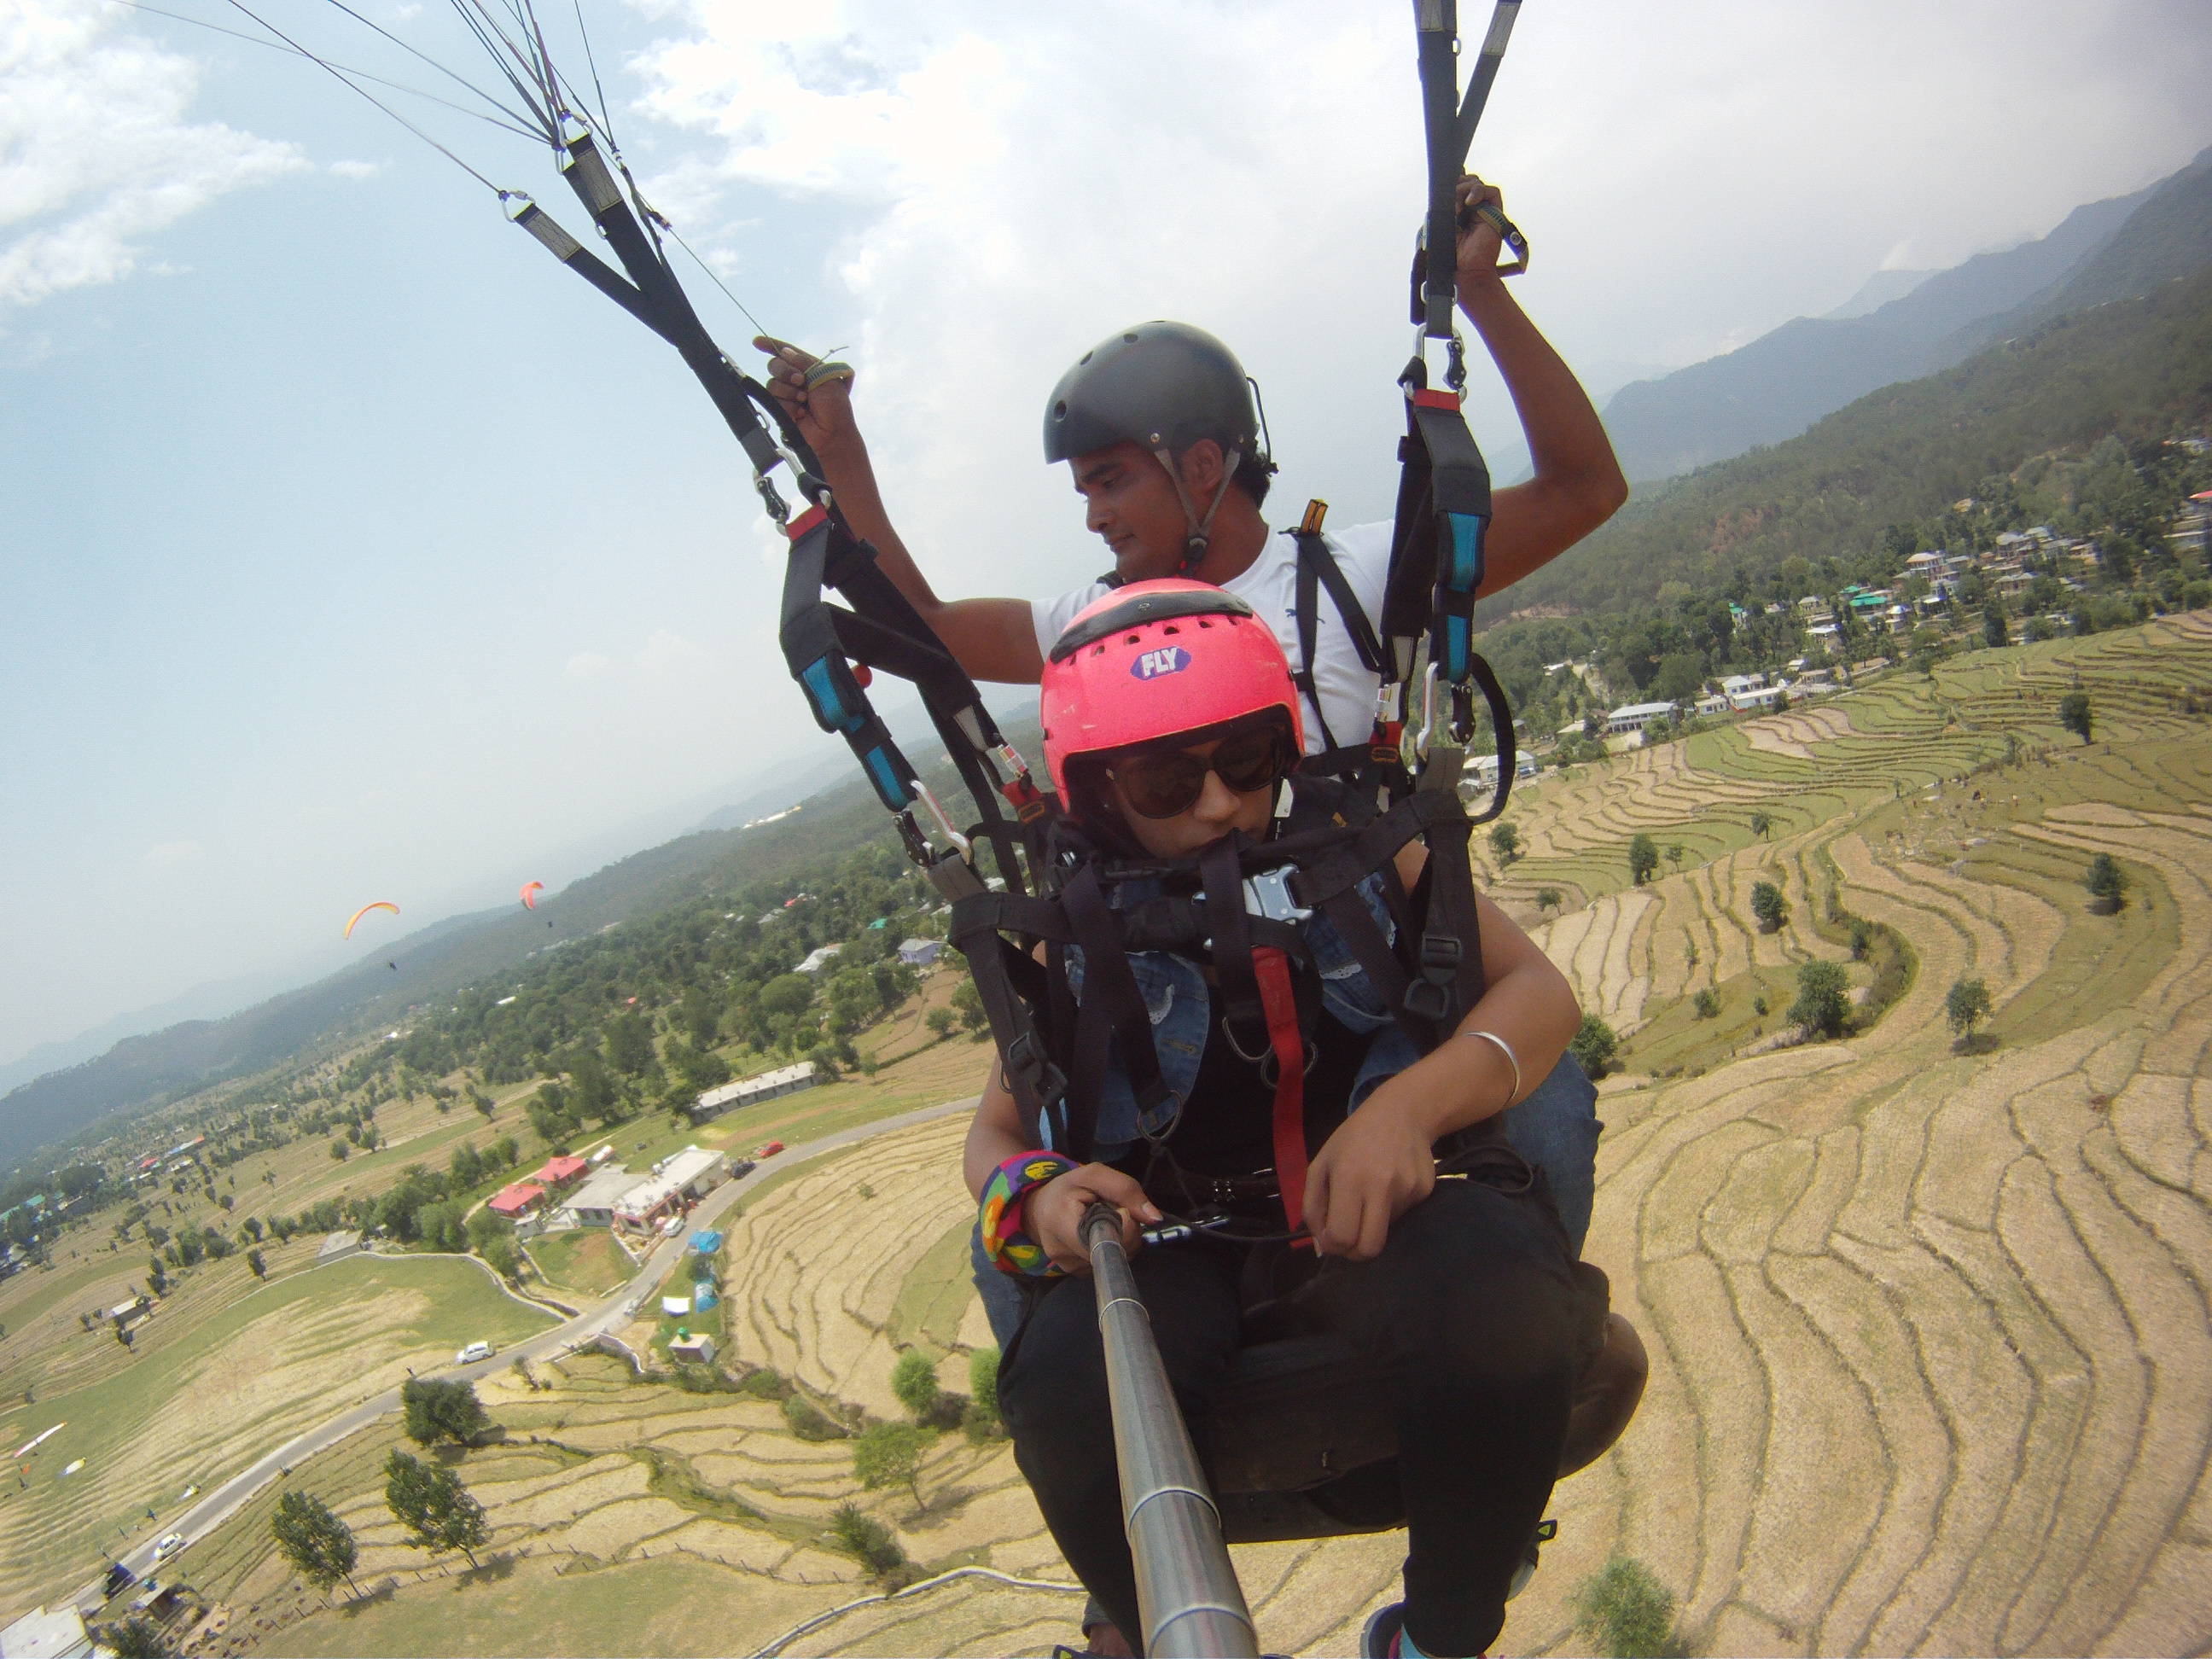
(1013, 1250)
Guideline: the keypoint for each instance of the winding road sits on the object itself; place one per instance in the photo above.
(585, 1328)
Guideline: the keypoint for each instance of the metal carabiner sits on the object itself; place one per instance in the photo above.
(959, 842)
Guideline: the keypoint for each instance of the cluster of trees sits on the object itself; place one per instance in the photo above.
(427, 1498)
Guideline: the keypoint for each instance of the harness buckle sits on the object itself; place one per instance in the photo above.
(1268, 895)
(1046, 1081)
(1431, 996)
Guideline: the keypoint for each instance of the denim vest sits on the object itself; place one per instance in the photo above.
(1176, 996)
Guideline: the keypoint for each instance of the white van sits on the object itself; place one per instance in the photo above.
(474, 1351)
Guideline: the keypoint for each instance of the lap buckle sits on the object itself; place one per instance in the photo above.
(1431, 997)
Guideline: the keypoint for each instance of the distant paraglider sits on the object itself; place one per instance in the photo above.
(531, 890)
(380, 904)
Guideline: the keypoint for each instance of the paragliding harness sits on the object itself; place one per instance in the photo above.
(1305, 1414)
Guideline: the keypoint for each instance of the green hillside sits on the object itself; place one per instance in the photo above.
(2139, 369)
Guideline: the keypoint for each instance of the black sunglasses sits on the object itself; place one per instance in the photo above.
(1166, 783)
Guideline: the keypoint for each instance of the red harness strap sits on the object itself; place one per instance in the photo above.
(1272, 970)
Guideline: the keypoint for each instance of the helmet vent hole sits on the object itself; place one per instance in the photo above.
(1059, 410)
(1129, 639)
(1170, 629)
(1084, 359)
(1202, 622)
(1131, 338)
(1098, 650)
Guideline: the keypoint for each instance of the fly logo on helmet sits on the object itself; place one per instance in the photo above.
(1152, 665)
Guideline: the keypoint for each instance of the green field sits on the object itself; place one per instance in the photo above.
(584, 1260)
(275, 1363)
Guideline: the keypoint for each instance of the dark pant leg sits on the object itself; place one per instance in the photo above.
(1472, 1313)
(1556, 1128)
(1052, 1391)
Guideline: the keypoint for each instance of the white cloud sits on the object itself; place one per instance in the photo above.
(162, 854)
(587, 666)
(96, 151)
(356, 169)
(1029, 179)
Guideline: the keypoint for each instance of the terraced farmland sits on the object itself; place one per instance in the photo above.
(1932, 1366)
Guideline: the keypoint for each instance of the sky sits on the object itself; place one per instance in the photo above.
(350, 550)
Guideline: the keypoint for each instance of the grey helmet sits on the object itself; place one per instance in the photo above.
(1165, 385)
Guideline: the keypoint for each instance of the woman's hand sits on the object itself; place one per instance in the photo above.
(1378, 1164)
(1053, 1216)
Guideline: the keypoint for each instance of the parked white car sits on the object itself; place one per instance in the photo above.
(474, 1351)
(167, 1545)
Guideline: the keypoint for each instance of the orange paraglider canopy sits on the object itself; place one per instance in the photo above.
(380, 904)
(531, 890)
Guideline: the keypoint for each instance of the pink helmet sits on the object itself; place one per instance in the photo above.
(1155, 658)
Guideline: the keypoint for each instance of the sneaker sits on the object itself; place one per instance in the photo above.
(1379, 1640)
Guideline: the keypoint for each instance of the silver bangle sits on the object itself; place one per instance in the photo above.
(1511, 1059)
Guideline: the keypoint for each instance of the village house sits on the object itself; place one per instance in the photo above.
(677, 1182)
(592, 1204)
(517, 1200)
(749, 1091)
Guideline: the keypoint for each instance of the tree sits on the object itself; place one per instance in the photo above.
(983, 1386)
(1762, 825)
(253, 1259)
(442, 1409)
(889, 1454)
(2105, 880)
(1995, 629)
(339, 1152)
(157, 1279)
(431, 1503)
(1547, 898)
(939, 1021)
(1593, 1045)
(1674, 851)
(1642, 857)
(914, 1380)
(1505, 841)
(1823, 1002)
(1965, 1005)
(1707, 1003)
(868, 1539)
(2075, 715)
(629, 1042)
(136, 1638)
(1769, 906)
(968, 1003)
(310, 1536)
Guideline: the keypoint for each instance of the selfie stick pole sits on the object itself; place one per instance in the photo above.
(1187, 1592)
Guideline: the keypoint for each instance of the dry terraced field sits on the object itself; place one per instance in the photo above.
(1932, 1369)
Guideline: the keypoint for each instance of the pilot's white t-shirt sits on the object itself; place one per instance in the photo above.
(1270, 587)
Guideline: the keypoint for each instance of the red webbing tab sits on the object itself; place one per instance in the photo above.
(805, 522)
(1272, 970)
(1427, 399)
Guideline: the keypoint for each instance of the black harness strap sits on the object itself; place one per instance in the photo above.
(1112, 1005)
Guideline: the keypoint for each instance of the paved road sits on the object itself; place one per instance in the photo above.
(615, 1311)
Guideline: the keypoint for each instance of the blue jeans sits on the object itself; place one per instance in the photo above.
(1555, 1128)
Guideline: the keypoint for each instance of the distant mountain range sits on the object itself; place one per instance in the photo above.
(145, 1071)
(1903, 325)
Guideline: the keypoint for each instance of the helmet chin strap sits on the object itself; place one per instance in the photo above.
(1201, 530)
